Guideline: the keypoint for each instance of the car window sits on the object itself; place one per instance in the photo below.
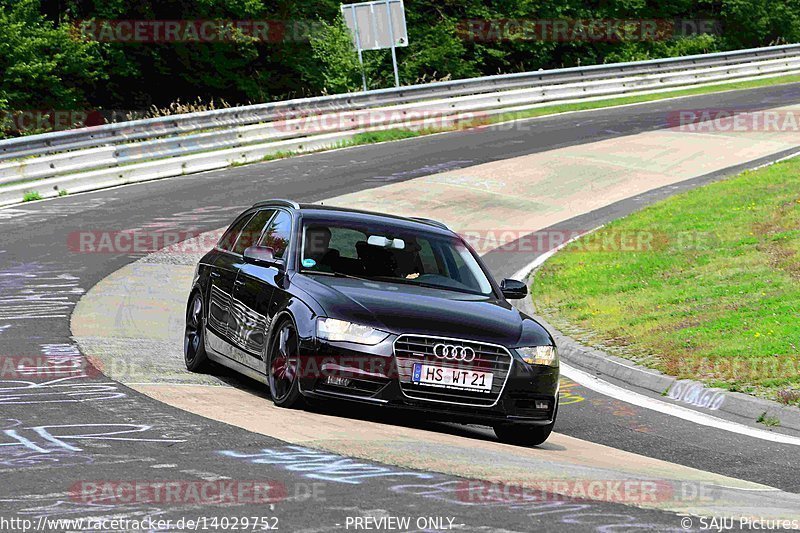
(427, 257)
(463, 272)
(252, 230)
(344, 241)
(391, 254)
(278, 234)
(232, 234)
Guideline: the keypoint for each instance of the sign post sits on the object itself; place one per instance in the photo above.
(377, 25)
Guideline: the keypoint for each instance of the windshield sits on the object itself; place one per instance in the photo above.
(389, 254)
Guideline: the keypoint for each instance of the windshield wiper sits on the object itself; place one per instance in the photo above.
(405, 281)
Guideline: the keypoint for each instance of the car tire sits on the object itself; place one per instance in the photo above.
(282, 366)
(194, 348)
(525, 435)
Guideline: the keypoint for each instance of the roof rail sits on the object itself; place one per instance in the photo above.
(431, 222)
(278, 201)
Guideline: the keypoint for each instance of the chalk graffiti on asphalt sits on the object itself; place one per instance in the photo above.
(422, 171)
(456, 491)
(321, 465)
(566, 395)
(66, 437)
(186, 222)
(696, 394)
(62, 365)
(35, 291)
(61, 359)
(64, 444)
(50, 505)
(628, 415)
(48, 210)
(61, 390)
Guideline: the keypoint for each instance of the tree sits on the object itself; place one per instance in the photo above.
(337, 68)
(44, 66)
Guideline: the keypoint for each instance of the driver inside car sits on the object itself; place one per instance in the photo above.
(318, 250)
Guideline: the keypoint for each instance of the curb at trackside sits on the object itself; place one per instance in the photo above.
(688, 393)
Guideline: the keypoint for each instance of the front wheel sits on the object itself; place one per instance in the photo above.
(194, 349)
(283, 367)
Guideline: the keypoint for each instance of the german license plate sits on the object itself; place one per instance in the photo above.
(456, 378)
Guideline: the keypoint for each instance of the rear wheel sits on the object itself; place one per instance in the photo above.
(283, 366)
(194, 349)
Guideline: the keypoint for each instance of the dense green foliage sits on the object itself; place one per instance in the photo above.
(47, 62)
(42, 65)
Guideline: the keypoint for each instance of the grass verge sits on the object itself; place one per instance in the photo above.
(704, 285)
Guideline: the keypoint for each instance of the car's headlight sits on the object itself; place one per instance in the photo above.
(341, 330)
(539, 355)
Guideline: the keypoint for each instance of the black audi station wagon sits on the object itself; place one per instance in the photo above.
(325, 303)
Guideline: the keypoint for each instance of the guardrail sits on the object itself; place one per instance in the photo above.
(114, 154)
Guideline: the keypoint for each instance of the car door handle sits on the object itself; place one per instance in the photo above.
(214, 274)
(238, 282)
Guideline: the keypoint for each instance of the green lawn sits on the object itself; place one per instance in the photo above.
(707, 285)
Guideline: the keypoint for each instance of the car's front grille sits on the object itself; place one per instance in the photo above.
(410, 349)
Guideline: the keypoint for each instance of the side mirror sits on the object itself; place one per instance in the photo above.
(262, 256)
(513, 289)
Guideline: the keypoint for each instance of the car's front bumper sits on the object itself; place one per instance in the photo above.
(369, 374)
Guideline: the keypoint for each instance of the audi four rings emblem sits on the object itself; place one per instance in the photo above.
(454, 353)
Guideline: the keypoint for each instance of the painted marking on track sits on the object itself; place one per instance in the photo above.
(620, 393)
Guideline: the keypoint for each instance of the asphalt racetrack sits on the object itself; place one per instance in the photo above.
(63, 434)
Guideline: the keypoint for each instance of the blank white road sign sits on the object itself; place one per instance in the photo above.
(369, 24)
